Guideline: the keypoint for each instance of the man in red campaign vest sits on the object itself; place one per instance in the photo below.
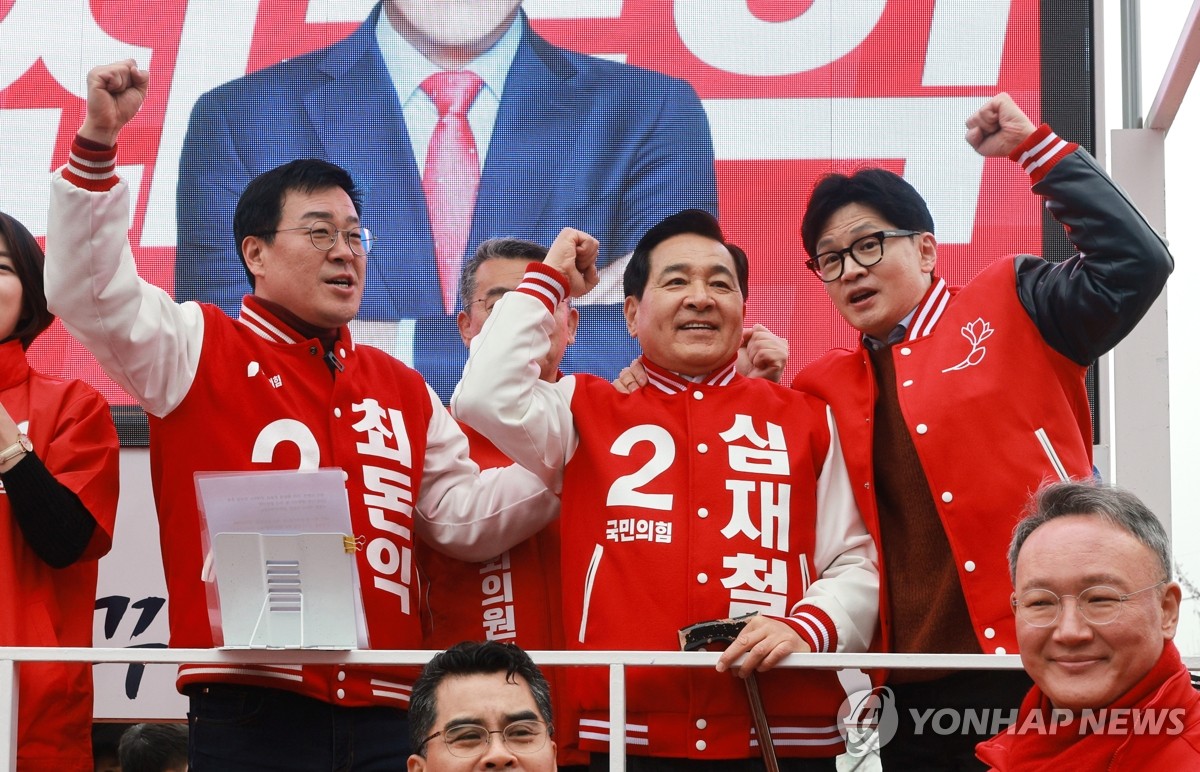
(959, 402)
(283, 386)
(704, 495)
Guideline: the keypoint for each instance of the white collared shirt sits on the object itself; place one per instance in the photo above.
(408, 68)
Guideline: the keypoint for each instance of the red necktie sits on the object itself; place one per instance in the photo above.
(451, 174)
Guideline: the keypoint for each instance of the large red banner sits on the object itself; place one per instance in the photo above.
(791, 89)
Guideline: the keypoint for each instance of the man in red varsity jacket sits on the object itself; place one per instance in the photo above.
(513, 596)
(960, 402)
(704, 495)
(283, 386)
(1111, 691)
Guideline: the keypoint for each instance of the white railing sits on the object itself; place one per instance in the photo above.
(617, 661)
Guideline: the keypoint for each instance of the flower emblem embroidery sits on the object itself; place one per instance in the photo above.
(976, 333)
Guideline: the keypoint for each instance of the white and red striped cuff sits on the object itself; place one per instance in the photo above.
(1040, 151)
(91, 165)
(547, 284)
(814, 626)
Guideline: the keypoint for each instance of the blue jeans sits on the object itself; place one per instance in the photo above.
(251, 728)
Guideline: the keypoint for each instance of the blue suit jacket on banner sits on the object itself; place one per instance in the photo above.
(583, 142)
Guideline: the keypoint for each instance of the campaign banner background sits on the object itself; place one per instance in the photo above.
(792, 89)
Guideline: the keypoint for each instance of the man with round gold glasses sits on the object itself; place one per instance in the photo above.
(481, 706)
(1096, 613)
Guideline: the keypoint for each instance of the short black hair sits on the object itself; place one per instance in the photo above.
(472, 658)
(886, 192)
(260, 207)
(153, 747)
(28, 262)
(696, 221)
(501, 248)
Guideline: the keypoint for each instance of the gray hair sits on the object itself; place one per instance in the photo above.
(1114, 505)
(472, 658)
(506, 248)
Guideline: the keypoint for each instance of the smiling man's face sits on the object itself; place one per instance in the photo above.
(689, 317)
(1077, 663)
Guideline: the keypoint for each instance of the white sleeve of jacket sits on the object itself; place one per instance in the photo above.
(847, 588)
(502, 396)
(473, 515)
(144, 340)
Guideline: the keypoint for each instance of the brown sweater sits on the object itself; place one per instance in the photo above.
(928, 611)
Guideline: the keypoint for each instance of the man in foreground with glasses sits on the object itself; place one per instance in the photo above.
(481, 706)
(945, 381)
(1096, 613)
(282, 387)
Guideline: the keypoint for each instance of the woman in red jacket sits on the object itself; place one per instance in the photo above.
(58, 502)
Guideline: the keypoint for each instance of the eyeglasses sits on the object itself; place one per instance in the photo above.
(324, 236)
(1099, 605)
(470, 740)
(866, 251)
(486, 304)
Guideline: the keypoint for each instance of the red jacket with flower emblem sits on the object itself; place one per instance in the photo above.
(990, 377)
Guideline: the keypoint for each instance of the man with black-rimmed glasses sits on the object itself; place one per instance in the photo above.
(959, 402)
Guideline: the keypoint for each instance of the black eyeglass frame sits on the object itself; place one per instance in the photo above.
(814, 263)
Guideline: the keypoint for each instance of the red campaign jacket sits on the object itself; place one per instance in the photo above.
(1164, 704)
(514, 597)
(652, 556)
(73, 435)
(990, 377)
(976, 382)
(272, 425)
(252, 394)
(683, 502)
